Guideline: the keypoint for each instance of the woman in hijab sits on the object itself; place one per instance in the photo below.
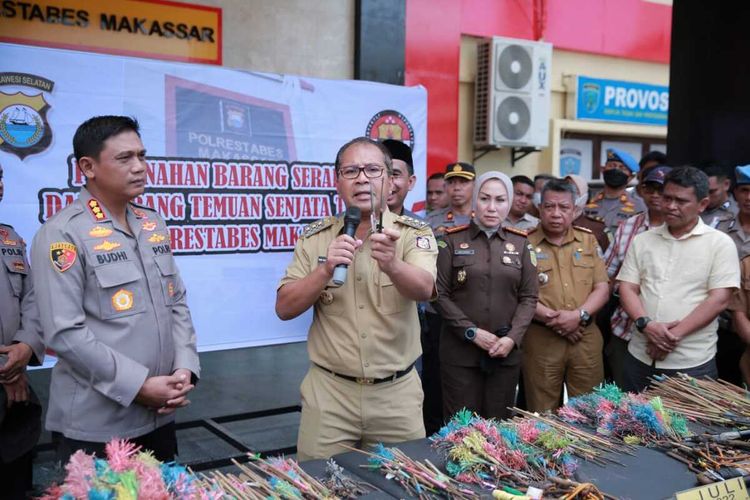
(487, 294)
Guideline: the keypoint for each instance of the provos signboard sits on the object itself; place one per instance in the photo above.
(145, 28)
(238, 163)
(619, 101)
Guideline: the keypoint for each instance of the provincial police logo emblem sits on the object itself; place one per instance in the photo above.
(24, 129)
(591, 94)
(390, 124)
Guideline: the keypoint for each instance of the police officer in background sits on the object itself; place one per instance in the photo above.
(721, 205)
(480, 266)
(613, 204)
(730, 347)
(21, 344)
(596, 226)
(437, 196)
(459, 181)
(562, 345)
(361, 387)
(112, 304)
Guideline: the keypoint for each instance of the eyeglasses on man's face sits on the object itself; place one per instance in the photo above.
(372, 171)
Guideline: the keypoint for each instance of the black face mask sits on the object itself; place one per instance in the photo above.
(615, 178)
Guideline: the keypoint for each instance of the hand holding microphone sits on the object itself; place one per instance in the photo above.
(341, 251)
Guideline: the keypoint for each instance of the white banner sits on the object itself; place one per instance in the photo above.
(239, 162)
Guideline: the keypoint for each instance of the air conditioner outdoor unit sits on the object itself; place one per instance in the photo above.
(512, 93)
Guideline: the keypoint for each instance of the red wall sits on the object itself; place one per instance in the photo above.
(631, 29)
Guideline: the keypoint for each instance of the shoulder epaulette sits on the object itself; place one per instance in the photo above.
(317, 226)
(456, 229)
(584, 229)
(411, 221)
(69, 212)
(515, 230)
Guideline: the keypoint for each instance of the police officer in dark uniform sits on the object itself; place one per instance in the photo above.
(487, 294)
(721, 205)
(459, 181)
(613, 204)
(21, 344)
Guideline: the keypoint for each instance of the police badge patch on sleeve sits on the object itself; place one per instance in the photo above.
(63, 255)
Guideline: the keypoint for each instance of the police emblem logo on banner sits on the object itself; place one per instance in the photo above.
(390, 124)
(24, 129)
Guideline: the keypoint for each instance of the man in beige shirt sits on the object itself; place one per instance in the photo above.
(364, 339)
(674, 282)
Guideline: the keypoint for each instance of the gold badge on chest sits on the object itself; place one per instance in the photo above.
(461, 276)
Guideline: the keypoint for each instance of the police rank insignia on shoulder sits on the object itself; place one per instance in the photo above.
(139, 213)
(148, 225)
(517, 231)
(63, 255)
(412, 222)
(456, 229)
(96, 210)
(317, 226)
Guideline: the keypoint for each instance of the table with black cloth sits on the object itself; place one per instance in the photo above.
(647, 474)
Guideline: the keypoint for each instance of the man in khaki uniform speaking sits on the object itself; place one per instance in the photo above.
(112, 304)
(364, 338)
(562, 344)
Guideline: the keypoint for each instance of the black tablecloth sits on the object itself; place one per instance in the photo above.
(646, 475)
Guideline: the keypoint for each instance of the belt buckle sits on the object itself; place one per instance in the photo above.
(365, 381)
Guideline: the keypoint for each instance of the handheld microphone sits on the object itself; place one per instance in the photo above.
(351, 221)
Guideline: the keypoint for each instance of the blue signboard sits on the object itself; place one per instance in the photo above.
(621, 101)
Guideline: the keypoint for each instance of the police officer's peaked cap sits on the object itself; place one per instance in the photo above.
(615, 154)
(460, 169)
(742, 174)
